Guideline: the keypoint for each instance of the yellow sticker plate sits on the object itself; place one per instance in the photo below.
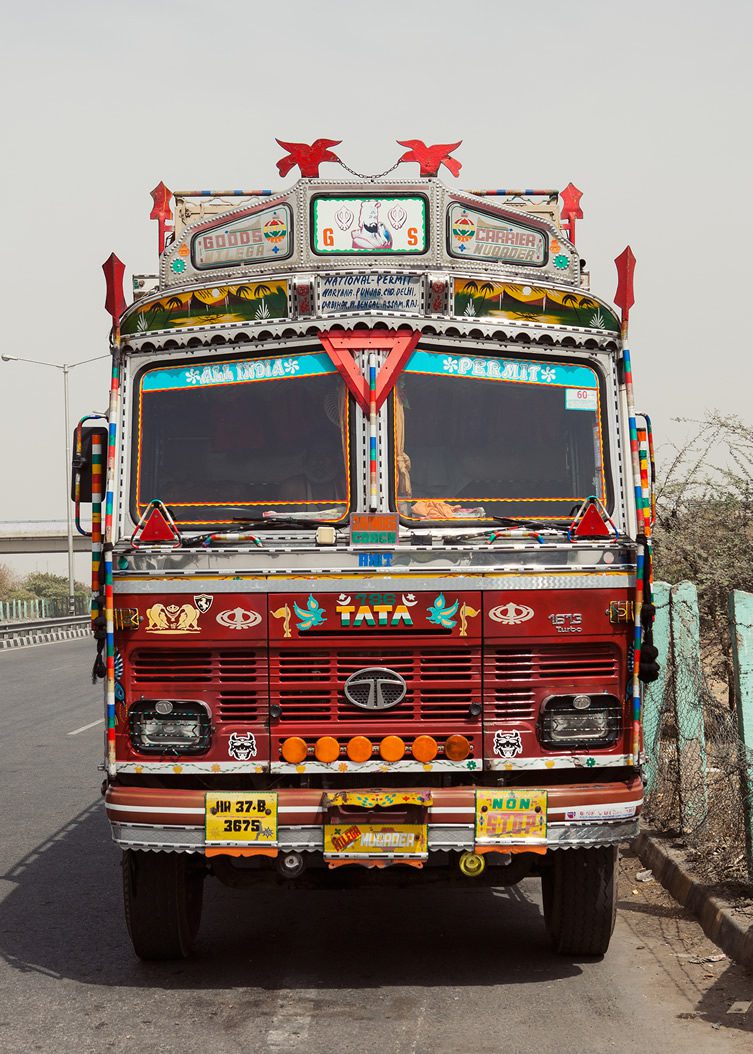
(375, 839)
(241, 818)
(510, 817)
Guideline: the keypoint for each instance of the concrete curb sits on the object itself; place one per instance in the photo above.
(733, 935)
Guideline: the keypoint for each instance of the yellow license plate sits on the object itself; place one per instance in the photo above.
(375, 839)
(510, 817)
(241, 818)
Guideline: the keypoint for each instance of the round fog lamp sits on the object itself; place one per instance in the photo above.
(392, 748)
(327, 749)
(424, 748)
(457, 748)
(294, 750)
(359, 748)
(582, 702)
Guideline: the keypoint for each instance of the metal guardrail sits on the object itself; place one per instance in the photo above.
(37, 631)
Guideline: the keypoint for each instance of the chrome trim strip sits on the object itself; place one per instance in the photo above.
(249, 581)
(455, 837)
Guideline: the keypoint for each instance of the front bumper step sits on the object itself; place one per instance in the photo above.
(578, 816)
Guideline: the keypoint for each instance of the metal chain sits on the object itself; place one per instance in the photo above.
(364, 175)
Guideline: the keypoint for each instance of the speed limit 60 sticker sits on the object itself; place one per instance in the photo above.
(580, 399)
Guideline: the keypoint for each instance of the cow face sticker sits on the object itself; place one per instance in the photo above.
(508, 744)
(242, 748)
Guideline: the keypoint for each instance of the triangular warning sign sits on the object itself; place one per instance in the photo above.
(156, 527)
(592, 521)
(341, 346)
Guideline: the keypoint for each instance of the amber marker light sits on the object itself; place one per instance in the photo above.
(457, 748)
(424, 748)
(392, 748)
(327, 749)
(294, 750)
(359, 748)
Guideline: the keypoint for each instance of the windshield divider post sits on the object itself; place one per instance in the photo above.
(373, 477)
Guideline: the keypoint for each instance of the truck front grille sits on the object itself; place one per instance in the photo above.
(441, 684)
(232, 681)
(515, 678)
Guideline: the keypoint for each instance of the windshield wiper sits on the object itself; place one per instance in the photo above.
(515, 521)
(254, 524)
(229, 534)
(273, 519)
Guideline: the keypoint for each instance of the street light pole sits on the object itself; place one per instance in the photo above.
(66, 368)
(69, 513)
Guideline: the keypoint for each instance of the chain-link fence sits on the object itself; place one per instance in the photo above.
(699, 767)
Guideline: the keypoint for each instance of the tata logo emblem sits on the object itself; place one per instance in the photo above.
(375, 688)
(238, 618)
(511, 614)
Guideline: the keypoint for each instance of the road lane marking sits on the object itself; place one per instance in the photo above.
(85, 728)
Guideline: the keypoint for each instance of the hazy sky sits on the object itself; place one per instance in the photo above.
(645, 106)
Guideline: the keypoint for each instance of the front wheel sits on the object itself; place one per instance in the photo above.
(163, 895)
(580, 899)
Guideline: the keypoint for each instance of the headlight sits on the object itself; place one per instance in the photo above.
(169, 726)
(568, 721)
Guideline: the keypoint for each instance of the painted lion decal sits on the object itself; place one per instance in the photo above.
(175, 618)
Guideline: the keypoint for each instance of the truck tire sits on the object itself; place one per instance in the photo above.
(580, 900)
(163, 895)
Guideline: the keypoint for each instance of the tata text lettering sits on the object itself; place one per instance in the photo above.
(374, 610)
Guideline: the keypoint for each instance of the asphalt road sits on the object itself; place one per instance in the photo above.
(416, 972)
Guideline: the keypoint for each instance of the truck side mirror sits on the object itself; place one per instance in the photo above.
(84, 438)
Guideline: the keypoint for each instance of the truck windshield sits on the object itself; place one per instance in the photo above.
(477, 437)
(217, 439)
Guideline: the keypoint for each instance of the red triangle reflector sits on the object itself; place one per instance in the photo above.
(156, 527)
(591, 522)
(341, 345)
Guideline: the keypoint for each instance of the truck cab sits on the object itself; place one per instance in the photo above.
(370, 553)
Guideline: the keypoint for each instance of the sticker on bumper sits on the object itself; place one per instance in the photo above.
(375, 839)
(511, 817)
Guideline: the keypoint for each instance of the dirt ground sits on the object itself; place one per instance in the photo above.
(681, 956)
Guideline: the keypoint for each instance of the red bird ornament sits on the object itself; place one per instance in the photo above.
(308, 158)
(431, 157)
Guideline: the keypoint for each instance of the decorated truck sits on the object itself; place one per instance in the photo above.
(371, 518)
